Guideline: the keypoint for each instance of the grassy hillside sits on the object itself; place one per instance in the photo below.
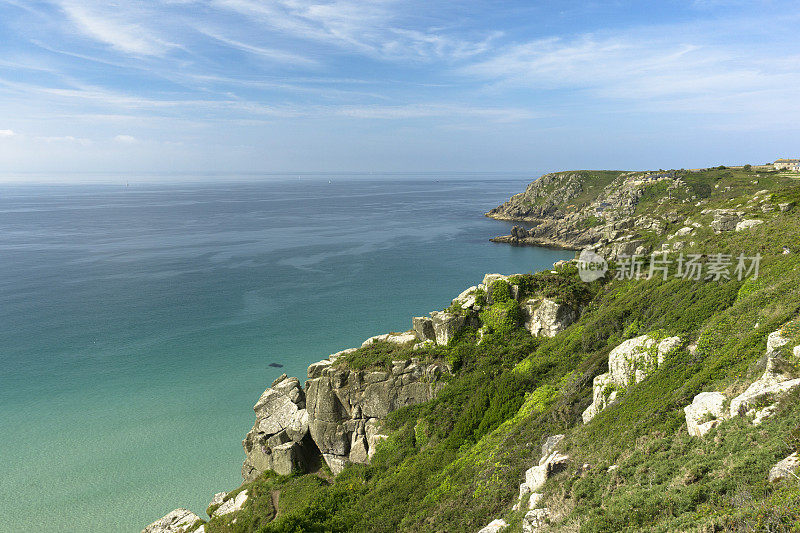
(455, 463)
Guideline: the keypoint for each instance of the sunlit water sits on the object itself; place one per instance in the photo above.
(138, 325)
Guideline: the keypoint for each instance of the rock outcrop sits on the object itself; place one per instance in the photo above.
(725, 220)
(336, 418)
(758, 402)
(785, 469)
(551, 463)
(546, 317)
(629, 363)
(761, 396)
(345, 407)
(231, 505)
(706, 411)
(535, 520)
(178, 521)
(279, 439)
(495, 526)
(556, 211)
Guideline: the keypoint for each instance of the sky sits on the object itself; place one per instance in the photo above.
(94, 86)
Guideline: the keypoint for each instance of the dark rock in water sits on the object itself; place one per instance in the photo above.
(276, 365)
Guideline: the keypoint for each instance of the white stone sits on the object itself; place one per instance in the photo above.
(177, 521)
(495, 526)
(747, 224)
(535, 500)
(231, 505)
(704, 405)
(547, 318)
(629, 363)
(218, 498)
(535, 520)
(785, 469)
(766, 388)
(467, 298)
(396, 338)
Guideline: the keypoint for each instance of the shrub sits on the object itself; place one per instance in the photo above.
(503, 317)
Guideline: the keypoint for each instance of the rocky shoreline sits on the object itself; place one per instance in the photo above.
(335, 418)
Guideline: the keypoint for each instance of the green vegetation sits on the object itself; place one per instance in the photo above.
(455, 463)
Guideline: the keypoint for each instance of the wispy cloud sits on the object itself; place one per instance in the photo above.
(116, 25)
(271, 54)
(7, 133)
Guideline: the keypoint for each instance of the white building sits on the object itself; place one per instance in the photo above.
(787, 164)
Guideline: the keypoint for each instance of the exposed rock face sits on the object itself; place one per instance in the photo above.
(629, 363)
(536, 476)
(440, 328)
(706, 411)
(396, 338)
(495, 526)
(550, 444)
(535, 520)
(725, 220)
(446, 326)
(608, 223)
(775, 381)
(231, 505)
(178, 521)
(345, 407)
(747, 224)
(785, 469)
(279, 438)
(546, 317)
(467, 298)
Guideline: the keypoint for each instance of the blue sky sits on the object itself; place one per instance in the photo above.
(296, 85)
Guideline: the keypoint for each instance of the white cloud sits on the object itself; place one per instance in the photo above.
(67, 139)
(7, 133)
(111, 24)
(667, 70)
(268, 53)
(126, 139)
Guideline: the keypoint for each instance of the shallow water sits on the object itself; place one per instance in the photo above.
(138, 325)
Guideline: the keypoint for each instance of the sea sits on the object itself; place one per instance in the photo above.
(140, 320)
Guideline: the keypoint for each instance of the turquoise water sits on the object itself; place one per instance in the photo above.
(139, 325)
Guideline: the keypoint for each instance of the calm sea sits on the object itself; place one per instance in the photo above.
(139, 324)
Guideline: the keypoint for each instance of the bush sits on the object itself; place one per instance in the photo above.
(503, 317)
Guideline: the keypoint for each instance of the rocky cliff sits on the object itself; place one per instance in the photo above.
(543, 402)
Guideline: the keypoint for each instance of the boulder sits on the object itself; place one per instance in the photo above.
(177, 521)
(546, 317)
(446, 326)
(785, 469)
(706, 411)
(495, 526)
(629, 363)
(535, 520)
(766, 389)
(747, 224)
(231, 505)
(725, 220)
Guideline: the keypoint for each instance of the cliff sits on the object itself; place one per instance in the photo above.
(544, 402)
